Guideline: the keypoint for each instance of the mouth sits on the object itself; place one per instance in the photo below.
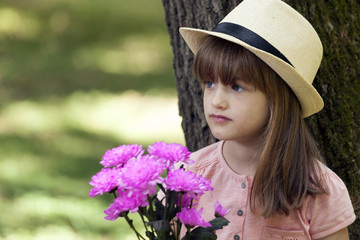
(219, 118)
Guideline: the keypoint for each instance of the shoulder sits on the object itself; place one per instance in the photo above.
(206, 156)
(207, 151)
(328, 213)
(336, 189)
(332, 181)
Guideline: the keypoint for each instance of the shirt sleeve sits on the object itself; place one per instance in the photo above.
(329, 213)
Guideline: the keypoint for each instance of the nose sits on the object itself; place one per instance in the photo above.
(219, 99)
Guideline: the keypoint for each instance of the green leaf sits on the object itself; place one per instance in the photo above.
(201, 233)
(218, 223)
(160, 225)
(173, 212)
(159, 209)
(172, 199)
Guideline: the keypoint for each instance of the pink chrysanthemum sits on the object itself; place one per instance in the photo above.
(124, 203)
(191, 218)
(170, 153)
(104, 181)
(186, 200)
(185, 181)
(120, 155)
(142, 174)
(220, 211)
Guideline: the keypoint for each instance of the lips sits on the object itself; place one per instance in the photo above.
(219, 118)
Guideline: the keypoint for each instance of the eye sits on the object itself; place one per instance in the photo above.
(237, 88)
(209, 84)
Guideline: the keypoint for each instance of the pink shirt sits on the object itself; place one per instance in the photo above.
(317, 218)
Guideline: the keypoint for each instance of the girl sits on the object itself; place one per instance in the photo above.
(256, 68)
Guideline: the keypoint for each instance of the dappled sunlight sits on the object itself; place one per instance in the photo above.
(26, 117)
(134, 54)
(59, 21)
(132, 117)
(38, 215)
(56, 232)
(52, 149)
(129, 117)
(81, 213)
(18, 24)
(12, 167)
(67, 74)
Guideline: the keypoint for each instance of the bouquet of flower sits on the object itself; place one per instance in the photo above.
(159, 192)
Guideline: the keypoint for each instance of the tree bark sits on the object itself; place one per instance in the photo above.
(336, 127)
(201, 13)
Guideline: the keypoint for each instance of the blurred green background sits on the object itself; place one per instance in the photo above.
(77, 77)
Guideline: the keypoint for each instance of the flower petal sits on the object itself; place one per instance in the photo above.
(192, 217)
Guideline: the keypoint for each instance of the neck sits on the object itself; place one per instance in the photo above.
(242, 158)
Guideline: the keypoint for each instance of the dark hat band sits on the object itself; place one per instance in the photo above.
(249, 37)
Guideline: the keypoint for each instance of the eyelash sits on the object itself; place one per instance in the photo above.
(236, 88)
(209, 84)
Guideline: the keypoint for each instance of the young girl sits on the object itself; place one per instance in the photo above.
(256, 68)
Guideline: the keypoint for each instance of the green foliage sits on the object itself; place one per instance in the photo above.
(59, 60)
(50, 49)
(201, 233)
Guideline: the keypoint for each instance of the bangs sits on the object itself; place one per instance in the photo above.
(218, 59)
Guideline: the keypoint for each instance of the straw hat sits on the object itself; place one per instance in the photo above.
(278, 35)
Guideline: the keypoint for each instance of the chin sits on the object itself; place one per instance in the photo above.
(220, 137)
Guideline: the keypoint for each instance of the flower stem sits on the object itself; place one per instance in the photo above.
(161, 187)
(166, 204)
(115, 196)
(129, 221)
(178, 227)
(187, 235)
(143, 220)
(151, 210)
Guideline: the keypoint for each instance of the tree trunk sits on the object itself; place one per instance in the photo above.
(336, 127)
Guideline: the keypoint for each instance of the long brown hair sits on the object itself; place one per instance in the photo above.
(289, 169)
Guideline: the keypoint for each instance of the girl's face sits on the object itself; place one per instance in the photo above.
(237, 112)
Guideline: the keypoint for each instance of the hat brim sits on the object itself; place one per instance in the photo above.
(310, 100)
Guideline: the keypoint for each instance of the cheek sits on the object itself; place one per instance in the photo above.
(260, 110)
(264, 113)
(206, 100)
(206, 107)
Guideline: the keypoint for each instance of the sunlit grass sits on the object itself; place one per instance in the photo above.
(61, 218)
(128, 117)
(54, 48)
(44, 168)
(66, 71)
(18, 24)
(135, 54)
